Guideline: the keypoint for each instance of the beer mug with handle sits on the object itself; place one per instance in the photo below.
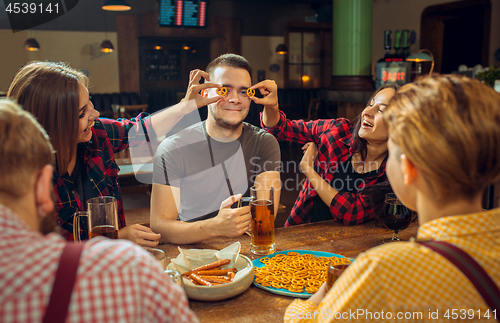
(102, 217)
(262, 225)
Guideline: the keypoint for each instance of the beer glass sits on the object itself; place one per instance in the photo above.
(176, 277)
(159, 255)
(102, 217)
(335, 269)
(262, 225)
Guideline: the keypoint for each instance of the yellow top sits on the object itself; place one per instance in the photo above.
(408, 281)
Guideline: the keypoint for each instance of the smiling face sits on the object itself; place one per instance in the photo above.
(372, 124)
(86, 115)
(230, 111)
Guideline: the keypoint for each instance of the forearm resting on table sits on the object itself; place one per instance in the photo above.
(271, 116)
(179, 232)
(164, 211)
(325, 191)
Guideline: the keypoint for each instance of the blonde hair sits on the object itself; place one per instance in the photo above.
(50, 91)
(448, 126)
(25, 149)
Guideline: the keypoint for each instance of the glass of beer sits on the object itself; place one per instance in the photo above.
(262, 226)
(176, 277)
(159, 255)
(102, 217)
(335, 268)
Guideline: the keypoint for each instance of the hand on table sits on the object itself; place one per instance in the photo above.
(318, 296)
(269, 89)
(310, 155)
(194, 88)
(233, 223)
(139, 234)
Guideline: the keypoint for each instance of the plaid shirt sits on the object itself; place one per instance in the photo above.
(333, 139)
(108, 137)
(117, 281)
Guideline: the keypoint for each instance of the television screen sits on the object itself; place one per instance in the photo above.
(183, 13)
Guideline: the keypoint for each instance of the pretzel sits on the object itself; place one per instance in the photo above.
(222, 91)
(294, 272)
(250, 92)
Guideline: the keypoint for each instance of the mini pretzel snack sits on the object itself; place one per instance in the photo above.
(222, 91)
(250, 92)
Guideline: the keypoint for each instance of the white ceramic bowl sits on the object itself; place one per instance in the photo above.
(242, 280)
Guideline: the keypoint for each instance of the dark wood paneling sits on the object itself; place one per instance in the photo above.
(224, 35)
(128, 53)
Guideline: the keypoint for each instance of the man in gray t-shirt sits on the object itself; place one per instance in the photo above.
(200, 171)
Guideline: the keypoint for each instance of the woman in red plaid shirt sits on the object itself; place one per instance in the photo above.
(341, 159)
(85, 144)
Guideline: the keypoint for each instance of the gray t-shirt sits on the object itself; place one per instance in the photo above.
(208, 171)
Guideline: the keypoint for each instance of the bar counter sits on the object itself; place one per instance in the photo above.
(257, 305)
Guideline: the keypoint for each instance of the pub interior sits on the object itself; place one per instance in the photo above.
(338, 52)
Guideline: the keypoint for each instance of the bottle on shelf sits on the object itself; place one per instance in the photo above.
(387, 45)
(405, 43)
(398, 55)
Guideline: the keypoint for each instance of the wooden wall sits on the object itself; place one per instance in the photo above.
(224, 35)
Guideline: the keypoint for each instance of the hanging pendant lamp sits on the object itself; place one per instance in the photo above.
(106, 46)
(31, 45)
(116, 5)
(281, 49)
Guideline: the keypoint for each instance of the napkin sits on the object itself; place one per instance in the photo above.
(192, 258)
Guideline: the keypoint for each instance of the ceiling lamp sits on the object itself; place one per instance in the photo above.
(31, 44)
(107, 47)
(116, 5)
(281, 49)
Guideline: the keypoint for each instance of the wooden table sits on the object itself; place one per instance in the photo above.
(257, 305)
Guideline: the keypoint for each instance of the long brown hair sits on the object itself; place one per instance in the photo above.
(50, 91)
(448, 126)
(24, 151)
(359, 144)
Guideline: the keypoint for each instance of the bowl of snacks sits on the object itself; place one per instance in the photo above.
(214, 280)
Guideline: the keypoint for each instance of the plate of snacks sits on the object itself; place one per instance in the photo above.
(212, 275)
(295, 273)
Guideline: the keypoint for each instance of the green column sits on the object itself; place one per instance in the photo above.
(352, 37)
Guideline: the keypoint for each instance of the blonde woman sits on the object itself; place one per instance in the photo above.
(444, 149)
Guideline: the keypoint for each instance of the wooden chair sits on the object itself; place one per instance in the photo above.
(312, 111)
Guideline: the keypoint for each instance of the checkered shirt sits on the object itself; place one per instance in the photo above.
(333, 138)
(408, 278)
(108, 137)
(117, 281)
